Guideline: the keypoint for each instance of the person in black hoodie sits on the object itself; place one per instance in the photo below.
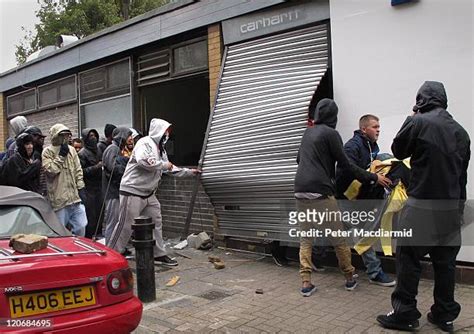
(321, 147)
(105, 142)
(22, 170)
(38, 143)
(114, 166)
(92, 170)
(439, 148)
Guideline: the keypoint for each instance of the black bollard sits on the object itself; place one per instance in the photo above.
(143, 242)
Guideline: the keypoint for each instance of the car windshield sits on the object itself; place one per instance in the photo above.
(22, 219)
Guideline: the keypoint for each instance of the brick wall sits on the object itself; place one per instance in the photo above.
(174, 195)
(67, 115)
(215, 56)
(3, 122)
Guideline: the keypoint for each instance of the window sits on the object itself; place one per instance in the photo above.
(22, 219)
(115, 111)
(153, 67)
(60, 91)
(22, 102)
(181, 59)
(190, 58)
(104, 82)
(105, 96)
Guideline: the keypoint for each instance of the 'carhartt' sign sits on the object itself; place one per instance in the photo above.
(268, 21)
(293, 15)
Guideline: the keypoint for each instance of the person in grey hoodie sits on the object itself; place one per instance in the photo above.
(114, 163)
(18, 125)
(139, 184)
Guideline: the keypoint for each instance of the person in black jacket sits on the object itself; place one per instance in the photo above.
(321, 147)
(114, 166)
(22, 170)
(18, 125)
(38, 144)
(439, 148)
(105, 142)
(361, 150)
(92, 170)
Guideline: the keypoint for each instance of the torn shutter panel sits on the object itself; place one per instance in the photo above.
(260, 115)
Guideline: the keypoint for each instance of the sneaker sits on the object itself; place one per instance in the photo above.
(383, 279)
(445, 326)
(306, 292)
(390, 321)
(351, 284)
(166, 261)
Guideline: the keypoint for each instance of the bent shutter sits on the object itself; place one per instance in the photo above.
(259, 118)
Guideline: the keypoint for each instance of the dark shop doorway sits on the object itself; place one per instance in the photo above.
(185, 104)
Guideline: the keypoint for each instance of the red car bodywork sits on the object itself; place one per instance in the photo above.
(112, 313)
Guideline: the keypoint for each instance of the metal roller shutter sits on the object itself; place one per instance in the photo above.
(256, 128)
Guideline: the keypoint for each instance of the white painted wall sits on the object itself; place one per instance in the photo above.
(382, 54)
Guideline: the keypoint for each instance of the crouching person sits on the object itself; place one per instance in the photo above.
(138, 186)
(64, 180)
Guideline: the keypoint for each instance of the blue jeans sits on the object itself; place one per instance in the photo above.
(75, 215)
(372, 263)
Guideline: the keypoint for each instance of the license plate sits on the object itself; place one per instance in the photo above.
(51, 301)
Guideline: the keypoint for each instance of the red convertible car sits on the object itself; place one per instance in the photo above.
(75, 285)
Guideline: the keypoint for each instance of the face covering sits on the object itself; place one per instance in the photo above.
(63, 139)
(165, 138)
(93, 142)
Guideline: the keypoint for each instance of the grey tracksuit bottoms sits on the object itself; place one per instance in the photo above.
(130, 208)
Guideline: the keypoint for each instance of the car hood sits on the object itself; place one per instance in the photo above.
(49, 265)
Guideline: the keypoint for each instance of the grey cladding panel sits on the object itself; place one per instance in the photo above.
(256, 128)
(142, 33)
(207, 14)
(282, 18)
(59, 63)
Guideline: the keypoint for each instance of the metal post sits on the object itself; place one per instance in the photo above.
(143, 242)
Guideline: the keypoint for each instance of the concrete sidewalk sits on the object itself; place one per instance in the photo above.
(207, 300)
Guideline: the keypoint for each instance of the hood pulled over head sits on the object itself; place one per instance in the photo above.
(120, 136)
(54, 133)
(326, 113)
(18, 124)
(109, 130)
(431, 95)
(157, 129)
(90, 144)
(21, 141)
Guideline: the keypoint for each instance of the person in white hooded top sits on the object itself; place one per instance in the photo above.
(139, 184)
(18, 125)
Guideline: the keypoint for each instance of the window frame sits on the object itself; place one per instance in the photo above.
(173, 73)
(23, 110)
(58, 103)
(104, 67)
(80, 104)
